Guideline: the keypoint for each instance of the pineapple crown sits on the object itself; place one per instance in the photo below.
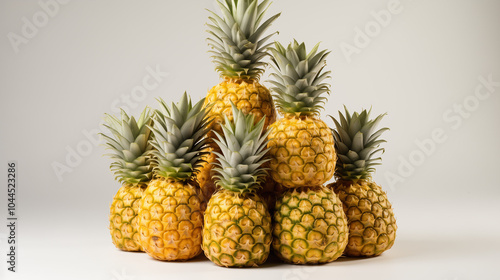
(237, 38)
(298, 81)
(129, 142)
(179, 138)
(243, 146)
(357, 142)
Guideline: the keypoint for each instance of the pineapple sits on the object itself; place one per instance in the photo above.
(237, 225)
(310, 226)
(133, 168)
(301, 145)
(238, 43)
(372, 225)
(171, 209)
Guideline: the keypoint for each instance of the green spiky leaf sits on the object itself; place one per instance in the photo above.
(299, 78)
(357, 143)
(237, 38)
(130, 148)
(243, 148)
(179, 138)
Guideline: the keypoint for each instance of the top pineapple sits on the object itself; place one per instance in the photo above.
(302, 150)
(238, 42)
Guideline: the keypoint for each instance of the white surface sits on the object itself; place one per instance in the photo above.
(445, 240)
(91, 54)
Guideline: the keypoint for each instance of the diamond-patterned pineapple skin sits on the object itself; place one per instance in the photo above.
(123, 220)
(171, 220)
(237, 230)
(372, 225)
(302, 152)
(310, 226)
(248, 95)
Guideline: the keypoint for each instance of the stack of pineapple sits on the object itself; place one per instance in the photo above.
(223, 176)
(309, 224)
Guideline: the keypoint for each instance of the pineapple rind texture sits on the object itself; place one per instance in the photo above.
(171, 220)
(248, 95)
(372, 225)
(123, 220)
(310, 226)
(237, 230)
(302, 152)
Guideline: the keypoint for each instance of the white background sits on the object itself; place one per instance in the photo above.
(89, 56)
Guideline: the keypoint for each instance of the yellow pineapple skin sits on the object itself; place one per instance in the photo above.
(123, 219)
(310, 226)
(302, 151)
(372, 225)
(248, 95)
(171, 220)
(237, 230)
